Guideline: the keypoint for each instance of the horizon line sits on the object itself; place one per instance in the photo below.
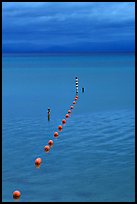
(96, 52)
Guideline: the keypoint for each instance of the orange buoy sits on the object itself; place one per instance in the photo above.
(63, 121)
(67, 115)
(50, 142)
(69, 111)
(60, 127)
(16, 194)
(71, 107)
(74, 102)
(46, 148)
(76, 98)
(38, 161)
(56, 134)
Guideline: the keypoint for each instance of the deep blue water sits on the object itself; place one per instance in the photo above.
(93, 157)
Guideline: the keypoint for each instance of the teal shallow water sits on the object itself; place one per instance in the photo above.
(93, 157)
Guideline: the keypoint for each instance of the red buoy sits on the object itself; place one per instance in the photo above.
(56, 134)
(63, 121)
(76, 98)
(46, 148)
(50, 142)
(38, 161)
(60, 127)
(16, 194)
(74, 102)
(71, 107)
(69, 111)
(67, 115)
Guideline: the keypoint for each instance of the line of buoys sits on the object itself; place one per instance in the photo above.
(50, 142)
(38, 161)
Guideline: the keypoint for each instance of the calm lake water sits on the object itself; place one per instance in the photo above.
(93, 158)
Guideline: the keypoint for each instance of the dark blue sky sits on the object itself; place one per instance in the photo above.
(68, 27)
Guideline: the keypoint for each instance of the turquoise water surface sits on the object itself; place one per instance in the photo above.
(93, 157)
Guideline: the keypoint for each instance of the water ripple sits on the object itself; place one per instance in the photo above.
(92, 150)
